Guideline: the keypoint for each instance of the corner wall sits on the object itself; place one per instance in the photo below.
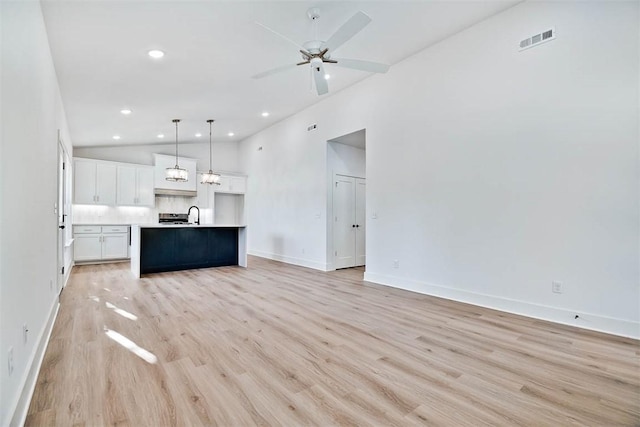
(492, 172)
(31, 114)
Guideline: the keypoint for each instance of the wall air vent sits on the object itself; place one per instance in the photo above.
(538, 39)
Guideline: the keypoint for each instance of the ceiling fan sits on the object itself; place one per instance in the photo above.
(316, 52)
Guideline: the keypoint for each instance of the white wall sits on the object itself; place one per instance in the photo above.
(225, 154)
(492, 172)
(32, 112)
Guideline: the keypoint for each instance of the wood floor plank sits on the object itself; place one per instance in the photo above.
(275, 344)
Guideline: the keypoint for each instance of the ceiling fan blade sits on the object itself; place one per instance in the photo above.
(298, 45)
(322, 86)
(273, 71)
(356, 64)
(349, 29)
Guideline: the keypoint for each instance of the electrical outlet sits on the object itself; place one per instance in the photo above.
(302, 250)
(10, 360)
(396, 263)
(25, 333)
(374, 215)
(556, 287)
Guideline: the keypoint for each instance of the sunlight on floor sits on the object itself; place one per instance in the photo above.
(121, 312)
(145, 355)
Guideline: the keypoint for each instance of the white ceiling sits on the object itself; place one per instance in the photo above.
(212, 48)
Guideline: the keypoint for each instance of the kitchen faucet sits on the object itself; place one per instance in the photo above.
(198, 209)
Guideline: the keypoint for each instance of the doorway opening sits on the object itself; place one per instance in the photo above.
(346, 201)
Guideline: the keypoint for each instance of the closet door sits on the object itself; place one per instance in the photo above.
(349, 227)
(344, 226)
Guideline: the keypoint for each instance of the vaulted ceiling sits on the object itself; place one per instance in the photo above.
(212, 48)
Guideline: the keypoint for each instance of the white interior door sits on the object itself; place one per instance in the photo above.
(62, 216)
(360, 221)
(344, 227)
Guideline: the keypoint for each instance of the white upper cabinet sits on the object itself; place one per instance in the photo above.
(232, 184)
(94, 182)
(146, 196)
(127, 192)
(135, 186)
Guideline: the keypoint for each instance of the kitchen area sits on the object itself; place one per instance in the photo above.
(126, 211)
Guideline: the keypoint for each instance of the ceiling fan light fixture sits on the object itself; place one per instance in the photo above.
(155, 53)
(176, 173)
(210, 177)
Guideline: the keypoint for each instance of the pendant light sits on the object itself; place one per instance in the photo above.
(176, 173)
(210, 177)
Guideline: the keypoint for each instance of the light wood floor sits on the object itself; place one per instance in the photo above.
(281, 345)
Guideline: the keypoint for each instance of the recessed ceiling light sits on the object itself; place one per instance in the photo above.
(156, 54)
(126, 111)
(198, 135)
(327, 76)
(160, 135)
(265, 114)
(116, 137)
(231, 134)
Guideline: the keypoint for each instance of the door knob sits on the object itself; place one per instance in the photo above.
(61, 227)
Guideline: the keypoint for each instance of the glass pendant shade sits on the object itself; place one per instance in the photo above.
(176, 173)
(210, 177)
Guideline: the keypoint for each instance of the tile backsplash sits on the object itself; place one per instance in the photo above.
(90, 214)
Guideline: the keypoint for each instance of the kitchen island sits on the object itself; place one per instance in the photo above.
(156, 248)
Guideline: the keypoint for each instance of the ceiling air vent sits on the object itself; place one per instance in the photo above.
(538, 39)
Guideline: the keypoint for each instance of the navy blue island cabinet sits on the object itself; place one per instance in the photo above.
(161, 248)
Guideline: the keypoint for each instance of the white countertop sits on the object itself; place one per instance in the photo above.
(155, 225)
(106, 224)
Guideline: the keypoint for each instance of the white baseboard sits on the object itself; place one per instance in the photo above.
(589, 321)
(291, 260)
(21, 406)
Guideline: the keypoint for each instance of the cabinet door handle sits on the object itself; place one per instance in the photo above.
(353, 225)
(357, 225)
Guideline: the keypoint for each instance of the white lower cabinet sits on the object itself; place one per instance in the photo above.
(100, 242)
(87, 247)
